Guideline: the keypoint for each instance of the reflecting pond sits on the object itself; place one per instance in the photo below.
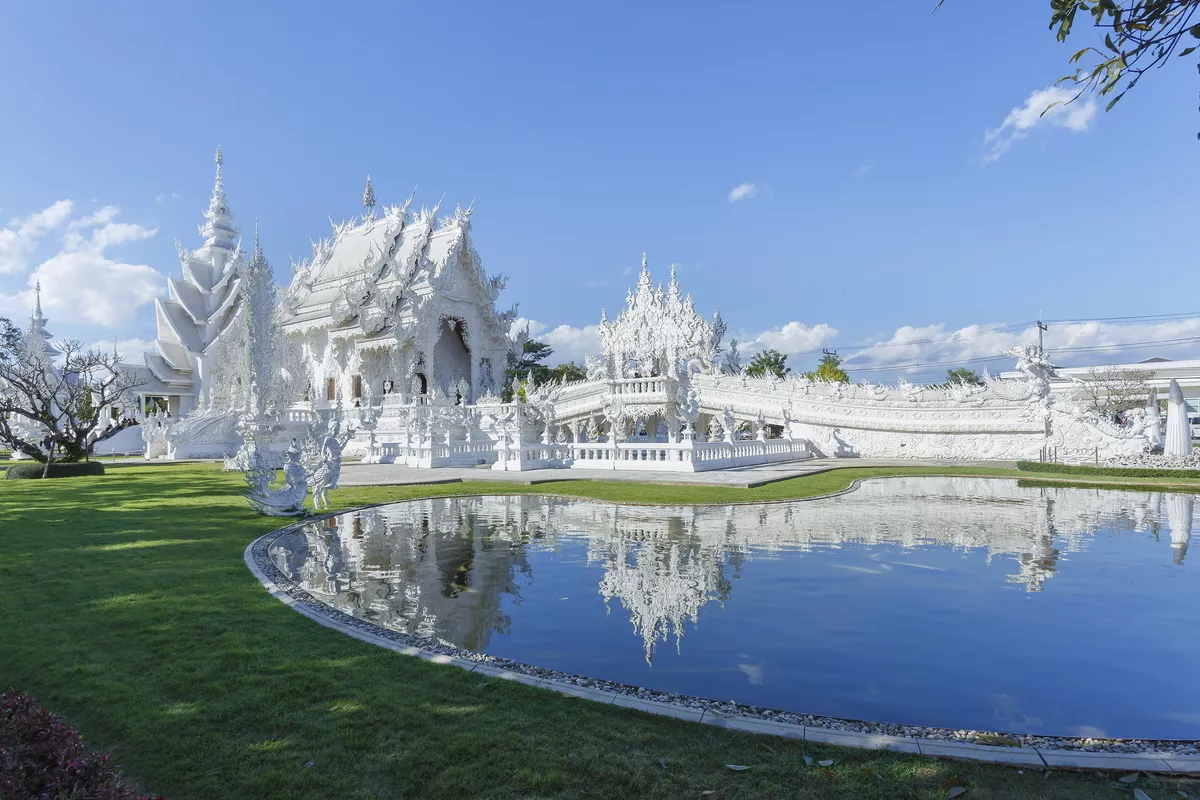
(955, 602)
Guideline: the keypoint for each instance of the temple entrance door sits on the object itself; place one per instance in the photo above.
(452, 357)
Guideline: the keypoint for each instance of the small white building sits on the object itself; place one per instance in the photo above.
(1161, 372)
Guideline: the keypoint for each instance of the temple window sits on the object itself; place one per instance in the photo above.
(356, 386)
(330, 389)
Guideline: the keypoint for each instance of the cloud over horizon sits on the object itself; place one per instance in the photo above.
(82, 281)
(928, 351)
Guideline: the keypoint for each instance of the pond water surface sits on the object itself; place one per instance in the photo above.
(953, 602)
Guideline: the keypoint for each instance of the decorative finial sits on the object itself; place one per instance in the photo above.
(645, 264)
(219, 159)
(257, 249)
(368, 196)
(37, 293)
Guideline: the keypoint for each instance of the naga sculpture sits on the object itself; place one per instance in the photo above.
(286, 501)
(316, 467)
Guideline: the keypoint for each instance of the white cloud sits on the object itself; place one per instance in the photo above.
(569, 343)
(792, 337)
(130, 350)
(162, 198)
(909, 347)
(1107, 343)
(82, 282)
(1022, 120)
(19, 238)
(744, 191)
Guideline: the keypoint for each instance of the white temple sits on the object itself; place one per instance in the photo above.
(392, 324)
(199, 307)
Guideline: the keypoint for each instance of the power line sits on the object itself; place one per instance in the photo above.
(957, 361)
(983, 359)
(1041, 327)
(1141, 317)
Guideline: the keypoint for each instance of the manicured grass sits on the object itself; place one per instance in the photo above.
(1112, 472)
(126, 608)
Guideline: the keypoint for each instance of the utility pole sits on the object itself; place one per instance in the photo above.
(1042, 328)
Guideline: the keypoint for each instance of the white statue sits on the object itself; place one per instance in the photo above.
(1179, 431)
(325, 461)
(288, 500)
(1154, 432)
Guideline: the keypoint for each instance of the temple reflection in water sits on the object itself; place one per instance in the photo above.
(444, 568)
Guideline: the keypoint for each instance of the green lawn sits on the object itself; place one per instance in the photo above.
(125, 607)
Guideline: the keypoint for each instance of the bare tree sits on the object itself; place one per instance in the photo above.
(1109, 391)
(42, 397)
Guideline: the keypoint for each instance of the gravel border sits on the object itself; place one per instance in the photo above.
(1165, 755)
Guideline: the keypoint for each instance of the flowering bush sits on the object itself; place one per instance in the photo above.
(42, 758)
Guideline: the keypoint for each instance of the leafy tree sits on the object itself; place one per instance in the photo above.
(829, 369)
(10, 339)
(533, 353)
(568, 372)
(1139, 35)
(768, 362)
(964, 377)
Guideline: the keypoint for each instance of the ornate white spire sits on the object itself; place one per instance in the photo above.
(38, 338)
(368, 198)
(658, 332)
(37, 303)
(205, 302)
(218, 230)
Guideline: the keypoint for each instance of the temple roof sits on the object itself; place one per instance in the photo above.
(201, 304)
(375, 273)
(658, 331)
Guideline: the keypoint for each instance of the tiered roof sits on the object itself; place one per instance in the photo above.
(374, 277)
(203, 303)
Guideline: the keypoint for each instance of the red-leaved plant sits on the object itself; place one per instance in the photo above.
(42, 757)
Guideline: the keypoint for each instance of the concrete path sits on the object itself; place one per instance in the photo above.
(356, 474)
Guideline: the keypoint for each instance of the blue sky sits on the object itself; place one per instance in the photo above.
(881, 207)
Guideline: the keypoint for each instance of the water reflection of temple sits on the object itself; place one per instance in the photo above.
(442, 568)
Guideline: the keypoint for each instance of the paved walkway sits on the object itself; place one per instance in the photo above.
(356, 474)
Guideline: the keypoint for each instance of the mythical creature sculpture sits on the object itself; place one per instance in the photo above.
(687, 407)
(286, 501)
(597, 368)
(324, 460)
(1035, 366)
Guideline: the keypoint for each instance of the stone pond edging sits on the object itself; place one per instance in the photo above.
(1037, 752)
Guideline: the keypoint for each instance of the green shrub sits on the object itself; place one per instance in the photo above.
(58, 469)
(1115, 472)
